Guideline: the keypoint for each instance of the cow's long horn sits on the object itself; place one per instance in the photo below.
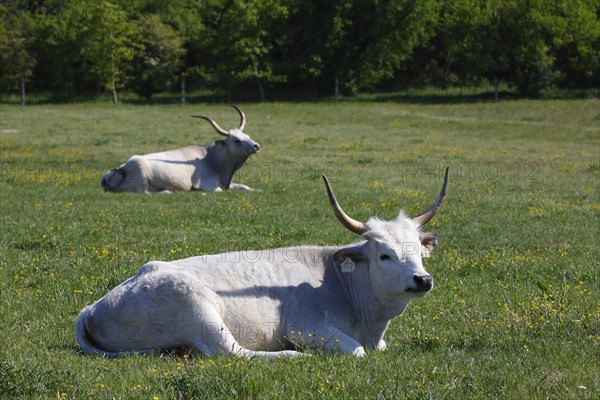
(242, 118)
(351, 224)
(424, 218)
(213, 123)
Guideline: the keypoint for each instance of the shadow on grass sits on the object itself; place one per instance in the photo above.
(411, 96)
(470, 95)
(434, 98)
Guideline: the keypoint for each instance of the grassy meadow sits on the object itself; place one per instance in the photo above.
(515, 312)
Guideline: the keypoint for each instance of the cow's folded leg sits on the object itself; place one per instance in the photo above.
(339, 341)
(210, 335)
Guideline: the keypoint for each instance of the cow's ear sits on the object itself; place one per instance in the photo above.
(220, 143)
(428, 241)
(354, 253)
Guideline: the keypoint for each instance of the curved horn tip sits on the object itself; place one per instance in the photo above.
(349, 223)
(425, 217)
(446, 176)
(216, 126)
(442, 194)
(242, 117)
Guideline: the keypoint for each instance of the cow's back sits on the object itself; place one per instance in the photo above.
(182, 154)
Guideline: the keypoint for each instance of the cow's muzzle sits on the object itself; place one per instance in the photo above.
(423, 283)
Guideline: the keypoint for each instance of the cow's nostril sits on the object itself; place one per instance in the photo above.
(424, 282)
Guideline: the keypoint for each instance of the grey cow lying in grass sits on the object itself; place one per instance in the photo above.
(258, 303)
(208, 168)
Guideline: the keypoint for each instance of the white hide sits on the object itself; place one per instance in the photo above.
(263, 303)
(206, 167)
(269, 303)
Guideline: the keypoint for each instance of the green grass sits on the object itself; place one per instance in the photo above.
(515, 312)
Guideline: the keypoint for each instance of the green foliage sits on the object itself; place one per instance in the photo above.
(17, 59)
(110, 47)
(60, 38)
(364, 45)
(242, 42)
(531, 45)
(157, 58)
(514, 312)
(574, 31)
(360, 43)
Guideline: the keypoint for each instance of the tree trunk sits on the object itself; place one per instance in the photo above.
(113, 70)
(336, 90)
(23, 97)
(115, 95)
(496, 90)
(182, 90)
(261, 90)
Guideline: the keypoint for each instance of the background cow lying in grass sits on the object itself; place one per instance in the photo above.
(269, 303)
(209, 168)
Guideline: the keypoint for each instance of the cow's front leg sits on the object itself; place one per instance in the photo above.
(209, 187)
(344, 343)
(330, 339)
(239, 186)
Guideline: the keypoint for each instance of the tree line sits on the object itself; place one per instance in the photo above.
(323, 47)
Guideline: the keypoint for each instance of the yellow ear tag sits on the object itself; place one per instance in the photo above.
(348, 265)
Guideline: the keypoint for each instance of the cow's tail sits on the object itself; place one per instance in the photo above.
(113, 179)
(88, 345)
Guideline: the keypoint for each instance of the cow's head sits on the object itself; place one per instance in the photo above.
(392, 250)
(237, 142)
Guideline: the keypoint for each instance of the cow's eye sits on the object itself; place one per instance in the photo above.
(238, 141)
(384, 257)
